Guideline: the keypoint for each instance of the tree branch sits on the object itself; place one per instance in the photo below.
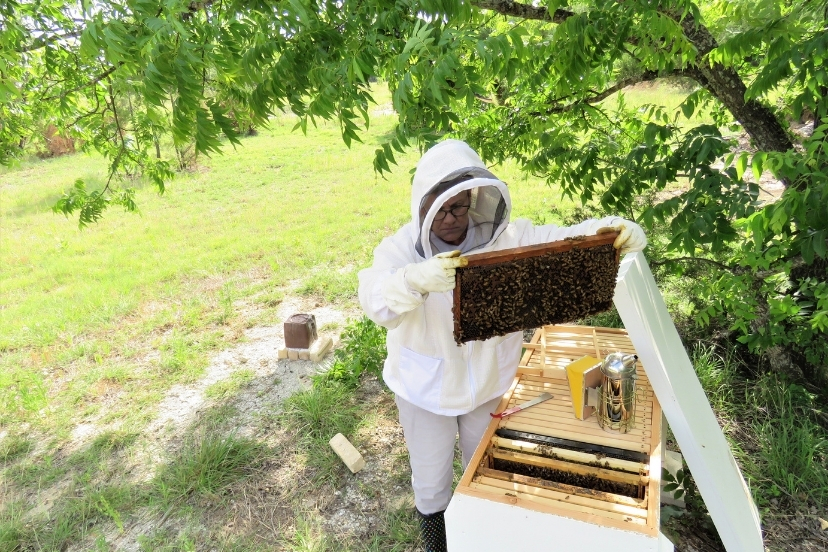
(620, 85)
(525, 11)
(734, 270)
(92, 82)
(43, 41)
(724, 83)
(95, 111)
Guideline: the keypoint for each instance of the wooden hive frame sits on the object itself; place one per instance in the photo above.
(542, 370)
(511, 294)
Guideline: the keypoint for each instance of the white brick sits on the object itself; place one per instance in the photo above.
(346, 451)
(320, 348)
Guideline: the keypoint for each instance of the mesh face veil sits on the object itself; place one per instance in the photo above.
(446, 170)
(487, 210)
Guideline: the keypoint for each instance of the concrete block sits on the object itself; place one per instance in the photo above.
(346, 451)
(320, 348)
(293, 354)
(304, 354)
(283, 353)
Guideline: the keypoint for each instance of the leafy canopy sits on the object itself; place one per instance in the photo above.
(526, 82)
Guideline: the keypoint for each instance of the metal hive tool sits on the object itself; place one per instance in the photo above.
(511, 290)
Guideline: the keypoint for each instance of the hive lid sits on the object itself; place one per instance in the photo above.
(685, 405)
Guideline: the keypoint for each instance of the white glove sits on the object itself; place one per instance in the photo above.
(435, 274)
(631, 237)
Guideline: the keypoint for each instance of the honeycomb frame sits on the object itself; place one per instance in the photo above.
(510, 290)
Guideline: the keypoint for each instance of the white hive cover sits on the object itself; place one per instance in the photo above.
(685, 405)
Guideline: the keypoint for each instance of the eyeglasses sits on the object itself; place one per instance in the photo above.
(457, 211)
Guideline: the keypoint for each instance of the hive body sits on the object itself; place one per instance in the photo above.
(544, 480)
(581, 485)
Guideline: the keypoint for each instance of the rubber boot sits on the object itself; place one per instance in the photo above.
(433, 529)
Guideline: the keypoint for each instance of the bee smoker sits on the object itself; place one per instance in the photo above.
(616, 396)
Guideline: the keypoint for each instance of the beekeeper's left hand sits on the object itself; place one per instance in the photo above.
(630, 238)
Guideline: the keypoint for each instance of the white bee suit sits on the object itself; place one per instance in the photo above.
(425, 367)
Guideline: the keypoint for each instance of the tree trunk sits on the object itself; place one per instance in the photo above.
(725, 84)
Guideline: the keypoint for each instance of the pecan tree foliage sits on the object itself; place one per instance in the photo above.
(519, 81)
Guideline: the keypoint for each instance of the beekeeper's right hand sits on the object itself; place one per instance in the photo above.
(436, 274)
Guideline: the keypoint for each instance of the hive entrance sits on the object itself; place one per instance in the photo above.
(527, 287)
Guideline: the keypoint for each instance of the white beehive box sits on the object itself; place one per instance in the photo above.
(499, 509)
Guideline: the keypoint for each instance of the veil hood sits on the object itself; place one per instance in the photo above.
(445, 170)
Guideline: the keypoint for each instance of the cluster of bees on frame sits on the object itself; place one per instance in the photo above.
(585, 481)
(552, 288)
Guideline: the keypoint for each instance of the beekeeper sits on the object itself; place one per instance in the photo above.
(457, 206)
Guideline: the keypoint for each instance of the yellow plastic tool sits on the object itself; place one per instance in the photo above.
(582, 374)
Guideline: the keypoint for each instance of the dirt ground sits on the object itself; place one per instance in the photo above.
(795, 533)
(280, 505)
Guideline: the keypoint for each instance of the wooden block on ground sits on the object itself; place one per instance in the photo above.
(283, 353)
(320, 348)
(293, 354)
(304, 354)
(346, 451)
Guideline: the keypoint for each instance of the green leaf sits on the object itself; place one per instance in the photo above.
(819, 238)
(757, 164)
(650, 134)
(741, 164)
(687, 108)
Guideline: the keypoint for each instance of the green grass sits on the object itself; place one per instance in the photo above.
(167, 541)
(207, 463)
(14, 446)
(772, 427)
(12, 527)
(792, 448)
(315, 415)
(228, 387)
(401, 532)
(308, 537)
(71, 519)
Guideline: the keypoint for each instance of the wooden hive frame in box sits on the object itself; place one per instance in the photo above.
(548, 439)
(505, 291)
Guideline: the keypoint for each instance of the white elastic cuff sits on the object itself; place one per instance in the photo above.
(399, 297)
(606, 222)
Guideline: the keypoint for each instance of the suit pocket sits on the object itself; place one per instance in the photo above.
(508, 357)
(421, 375)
